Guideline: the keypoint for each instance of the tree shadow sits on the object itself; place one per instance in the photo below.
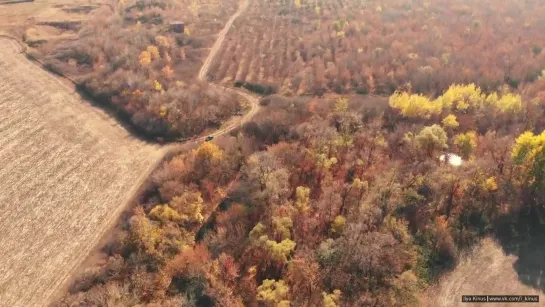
(122, 117)
(523, 235)
(8, 2)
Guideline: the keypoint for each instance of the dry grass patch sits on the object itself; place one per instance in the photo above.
(487, 270)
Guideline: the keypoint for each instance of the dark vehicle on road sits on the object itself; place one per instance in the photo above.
(209, 138)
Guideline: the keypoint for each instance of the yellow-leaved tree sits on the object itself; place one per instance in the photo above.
(461, 97)
(163, 111)
(529, 154)
(414, 106)
(510, 103)
(302, 199)
(338, 225)
(144, 234)
(157, 86)
(154, 52)
(450, 122)
(458, 98)
(207, 157)
(278, 251)
(465, 97)
(164, 213)
(190, 206)
(490, 184)
(466, 143)
(273, 293)
(210, 152)
(333, 299)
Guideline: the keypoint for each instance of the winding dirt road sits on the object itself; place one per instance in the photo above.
(219, 41)
(253, 101)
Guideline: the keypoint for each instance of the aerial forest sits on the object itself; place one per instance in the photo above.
(342, 190)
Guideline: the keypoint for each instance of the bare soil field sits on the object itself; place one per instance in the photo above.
(67, 169)
(44, 21)
(489, 270)
(16, 14)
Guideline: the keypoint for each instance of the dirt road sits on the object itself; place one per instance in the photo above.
(253, 102)
(219, 41)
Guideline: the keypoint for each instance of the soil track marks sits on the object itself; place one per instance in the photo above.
(67, 169)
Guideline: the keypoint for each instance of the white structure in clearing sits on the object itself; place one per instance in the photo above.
(452, 159)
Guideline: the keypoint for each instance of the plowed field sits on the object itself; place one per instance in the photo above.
(66, 170)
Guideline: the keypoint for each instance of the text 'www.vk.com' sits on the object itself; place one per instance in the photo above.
(500, 298)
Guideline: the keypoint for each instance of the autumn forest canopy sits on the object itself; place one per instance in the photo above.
(334, 193)
(346, 46)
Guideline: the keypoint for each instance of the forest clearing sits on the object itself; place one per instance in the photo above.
(67, 169)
